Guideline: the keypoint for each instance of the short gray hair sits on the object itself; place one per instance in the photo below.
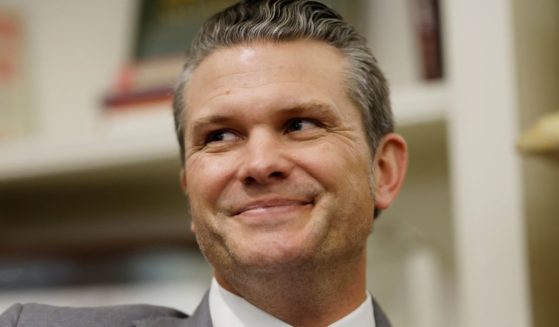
(288, 20)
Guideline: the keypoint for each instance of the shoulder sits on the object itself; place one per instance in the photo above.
(41, 315)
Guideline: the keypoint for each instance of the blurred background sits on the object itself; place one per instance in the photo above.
(91, 211)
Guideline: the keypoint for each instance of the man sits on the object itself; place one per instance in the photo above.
(285, 131)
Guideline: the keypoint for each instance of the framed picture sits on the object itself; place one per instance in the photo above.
(167, 27)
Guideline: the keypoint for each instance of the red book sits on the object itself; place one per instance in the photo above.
(429, 34)
(120, 100)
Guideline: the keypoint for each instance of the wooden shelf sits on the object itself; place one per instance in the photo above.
(420, 104)
(120, 139)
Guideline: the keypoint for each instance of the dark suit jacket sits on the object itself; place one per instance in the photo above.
(40, 315)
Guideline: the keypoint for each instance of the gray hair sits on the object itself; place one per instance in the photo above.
(287, 20)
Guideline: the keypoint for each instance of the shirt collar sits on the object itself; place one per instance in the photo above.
(230, 310)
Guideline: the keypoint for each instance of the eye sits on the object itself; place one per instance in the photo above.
(221, 135)
(300, 124)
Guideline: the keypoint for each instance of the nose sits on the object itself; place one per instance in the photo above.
(265, 159)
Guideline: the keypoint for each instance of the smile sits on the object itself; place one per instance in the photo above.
(271, 205)
(272, 211)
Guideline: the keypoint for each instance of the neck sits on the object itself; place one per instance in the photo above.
(309, 296)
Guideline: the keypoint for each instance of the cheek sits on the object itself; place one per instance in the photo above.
(206, 178)
(337, 165)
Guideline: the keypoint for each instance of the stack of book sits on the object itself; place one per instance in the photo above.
(144, 82)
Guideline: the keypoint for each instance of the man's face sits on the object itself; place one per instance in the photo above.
(278, 169)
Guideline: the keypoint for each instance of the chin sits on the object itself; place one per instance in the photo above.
(274, 257)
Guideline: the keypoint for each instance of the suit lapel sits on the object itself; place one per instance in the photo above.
(380, 318)
(200, 318)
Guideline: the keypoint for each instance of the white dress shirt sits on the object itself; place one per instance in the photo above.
(230, 310)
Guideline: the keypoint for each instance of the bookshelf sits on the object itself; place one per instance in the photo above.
(452, 252)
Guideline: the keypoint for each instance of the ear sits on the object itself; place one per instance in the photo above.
(182, 180)
(390, 166)
(192, 227)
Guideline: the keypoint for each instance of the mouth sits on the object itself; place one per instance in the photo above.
(271, 206)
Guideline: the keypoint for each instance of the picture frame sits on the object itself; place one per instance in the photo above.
(167, 27)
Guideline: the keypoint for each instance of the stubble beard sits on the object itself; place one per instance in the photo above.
(300, 269)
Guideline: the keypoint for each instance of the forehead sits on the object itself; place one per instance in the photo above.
(267, 74)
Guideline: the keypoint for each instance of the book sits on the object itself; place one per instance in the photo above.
(136, 98)
(15, 115)
(429, 38)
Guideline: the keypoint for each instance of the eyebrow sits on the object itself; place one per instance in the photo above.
(316, 107)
